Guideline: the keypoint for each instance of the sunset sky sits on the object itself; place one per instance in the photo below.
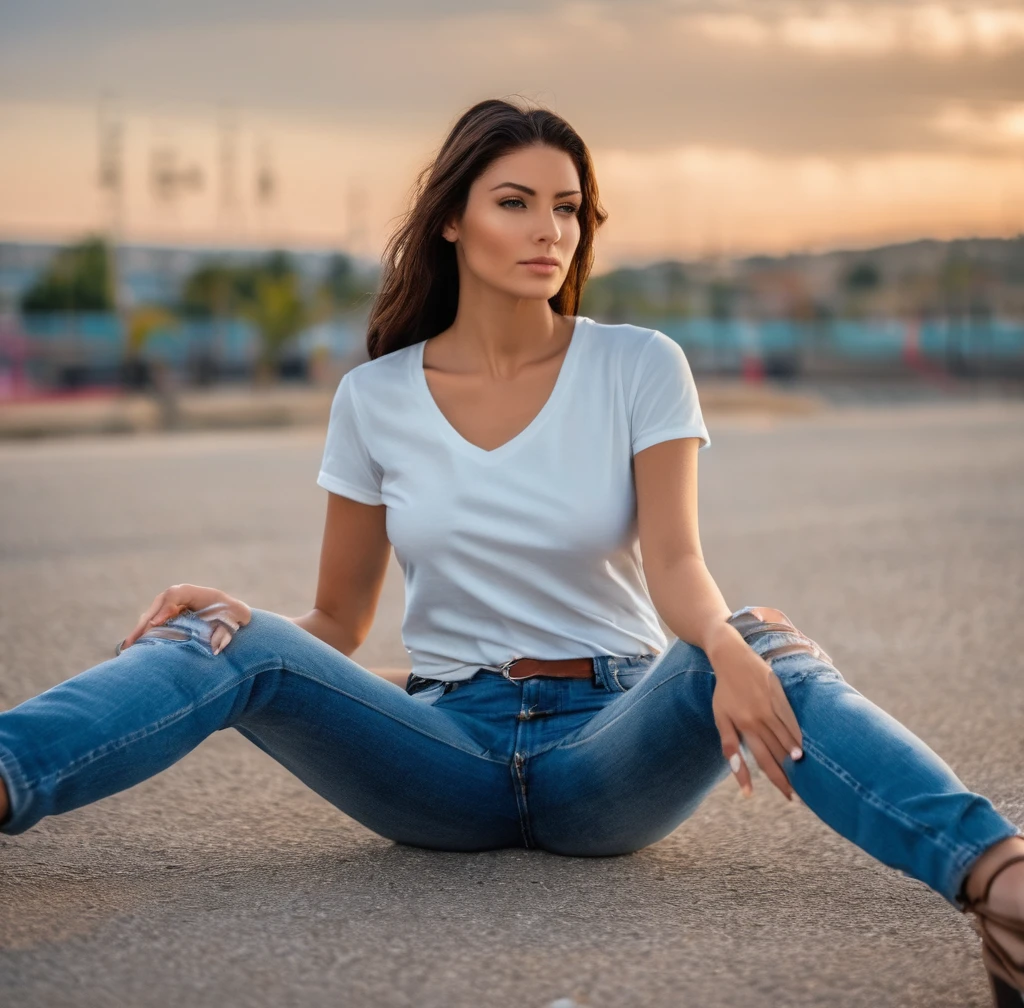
(728, 126)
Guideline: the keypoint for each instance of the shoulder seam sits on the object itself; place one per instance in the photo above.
(357, 413)
(634, 386)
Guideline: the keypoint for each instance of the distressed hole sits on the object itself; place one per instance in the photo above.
(167, 633)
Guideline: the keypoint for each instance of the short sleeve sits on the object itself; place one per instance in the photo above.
(663, 400)
(347, 468)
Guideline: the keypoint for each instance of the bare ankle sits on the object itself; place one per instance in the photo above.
(982, 869)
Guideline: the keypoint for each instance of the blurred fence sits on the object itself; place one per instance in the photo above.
(60, 351)
(784, 348)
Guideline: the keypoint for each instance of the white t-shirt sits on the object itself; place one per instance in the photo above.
(529, 550)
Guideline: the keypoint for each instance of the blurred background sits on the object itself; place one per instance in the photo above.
(194, 197)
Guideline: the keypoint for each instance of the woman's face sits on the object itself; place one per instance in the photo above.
(525, 205)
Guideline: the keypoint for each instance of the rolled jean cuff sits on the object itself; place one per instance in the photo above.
(962, 865)
(18, 820)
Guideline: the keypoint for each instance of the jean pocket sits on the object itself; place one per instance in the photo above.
(627, 673)
(628, 678)
(428, 691)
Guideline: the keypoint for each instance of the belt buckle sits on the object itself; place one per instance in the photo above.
(506, 666)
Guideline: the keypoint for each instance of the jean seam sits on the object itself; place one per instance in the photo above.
(608, 724)
(113, 746)
(959, 853)
(391, 714)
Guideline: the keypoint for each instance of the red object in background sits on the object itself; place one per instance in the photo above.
(917, 361)
(753, 368)
(912, 345)
(14, 353)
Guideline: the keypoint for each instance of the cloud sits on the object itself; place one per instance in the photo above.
(866, 29)
(998, 128)
(837, 79)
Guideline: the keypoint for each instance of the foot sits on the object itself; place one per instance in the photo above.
(1007, 895)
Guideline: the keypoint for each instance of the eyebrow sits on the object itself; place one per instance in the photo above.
(533, 192)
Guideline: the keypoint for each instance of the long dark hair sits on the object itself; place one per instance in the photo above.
(419, 284)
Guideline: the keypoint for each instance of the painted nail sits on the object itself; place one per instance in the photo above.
(796, 753)
(734, 762)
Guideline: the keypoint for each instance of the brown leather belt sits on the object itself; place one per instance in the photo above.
(558, 668)
(754, 623)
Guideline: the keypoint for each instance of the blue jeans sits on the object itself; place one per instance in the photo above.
(583, 767)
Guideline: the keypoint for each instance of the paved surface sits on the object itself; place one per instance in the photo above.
(298, 404)
(893, 536)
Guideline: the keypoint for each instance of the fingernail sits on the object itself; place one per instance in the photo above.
(796, 753)
(734, 762)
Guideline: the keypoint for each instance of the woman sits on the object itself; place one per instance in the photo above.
(518, 456)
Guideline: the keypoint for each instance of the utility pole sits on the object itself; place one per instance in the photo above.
(168, 180)
(111, 180)
(265, 184)
(228, 203)
(110, 130)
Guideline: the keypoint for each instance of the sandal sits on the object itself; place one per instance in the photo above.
(1005, 974)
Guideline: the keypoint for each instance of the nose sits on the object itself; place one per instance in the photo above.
(549, 230)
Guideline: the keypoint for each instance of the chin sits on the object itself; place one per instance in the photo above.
(530, 293)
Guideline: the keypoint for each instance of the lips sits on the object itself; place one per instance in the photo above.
(541, 261)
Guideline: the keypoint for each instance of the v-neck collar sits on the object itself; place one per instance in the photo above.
(457, 441)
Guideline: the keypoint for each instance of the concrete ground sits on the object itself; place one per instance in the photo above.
(290, 404)
(893, 535)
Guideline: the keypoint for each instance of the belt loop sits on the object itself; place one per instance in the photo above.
(601, 672)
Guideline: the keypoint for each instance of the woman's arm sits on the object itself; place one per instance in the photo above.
(681, 587)
(353, 563)
(749, 703)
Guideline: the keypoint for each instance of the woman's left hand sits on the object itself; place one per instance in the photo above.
(749, 703)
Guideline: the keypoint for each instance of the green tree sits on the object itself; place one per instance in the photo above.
(211, 291)
(79, 278)
(271, 298)
(864, 276)
(722, 296)
(267, 293)
(860, 282)
(343, 288)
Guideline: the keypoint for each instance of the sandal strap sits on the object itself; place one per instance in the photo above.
(981, 904)
(999, 952)
(985, 916)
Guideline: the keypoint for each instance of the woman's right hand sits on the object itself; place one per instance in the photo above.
(211, 604)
